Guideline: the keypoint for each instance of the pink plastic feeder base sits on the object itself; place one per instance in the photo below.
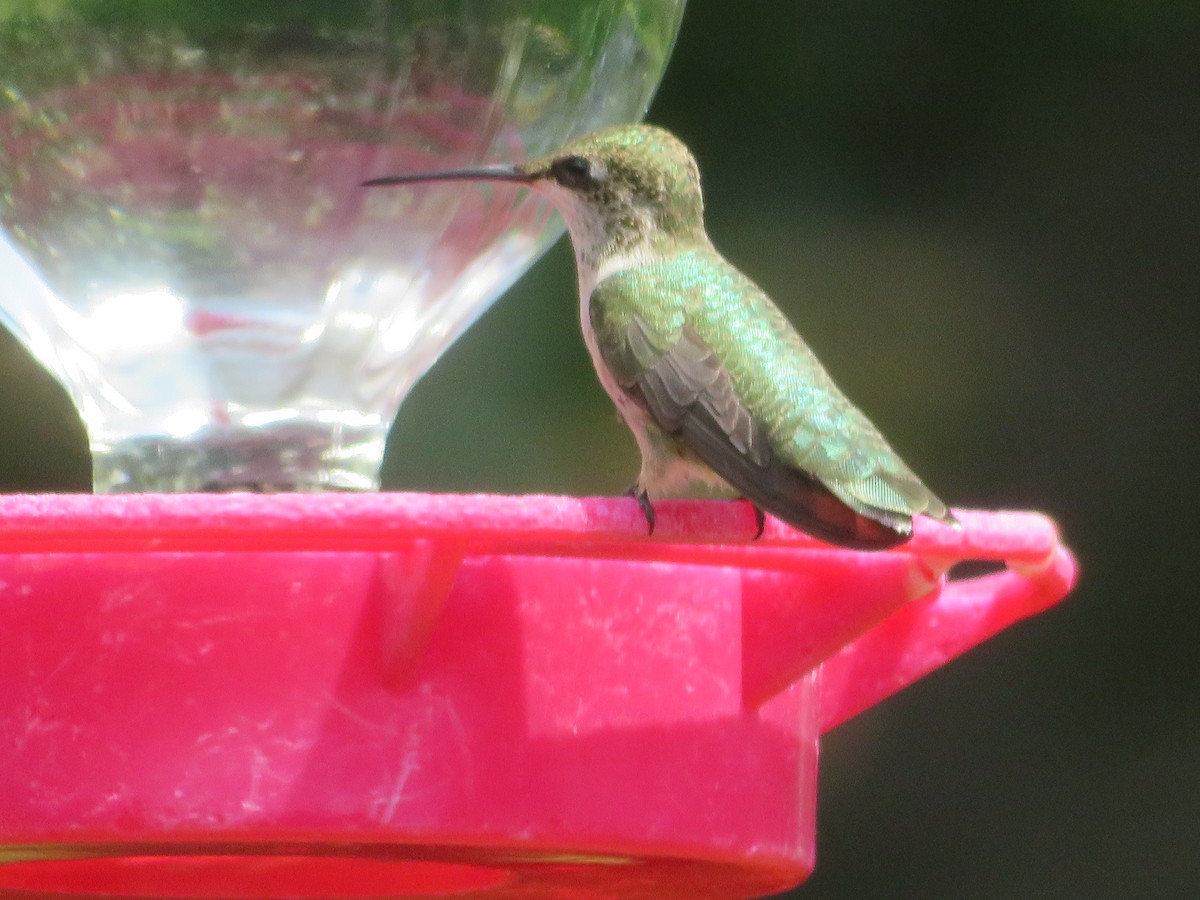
(319, 696)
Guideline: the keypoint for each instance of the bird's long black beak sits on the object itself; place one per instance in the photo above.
(483, 173)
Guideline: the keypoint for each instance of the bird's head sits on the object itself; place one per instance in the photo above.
(624, 190)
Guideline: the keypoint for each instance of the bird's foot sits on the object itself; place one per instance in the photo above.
(760, 519)
(643, 500)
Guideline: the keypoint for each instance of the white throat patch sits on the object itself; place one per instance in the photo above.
(592, 238)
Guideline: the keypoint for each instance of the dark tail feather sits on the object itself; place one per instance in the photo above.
(805, 503)
(791, 494)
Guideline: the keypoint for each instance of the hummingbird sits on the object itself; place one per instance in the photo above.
(722, 395)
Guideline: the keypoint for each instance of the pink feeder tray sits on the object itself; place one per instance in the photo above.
(318, 696)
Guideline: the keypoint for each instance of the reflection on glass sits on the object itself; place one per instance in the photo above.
(183, 241)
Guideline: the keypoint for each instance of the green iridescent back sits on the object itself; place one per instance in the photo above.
(809, 424)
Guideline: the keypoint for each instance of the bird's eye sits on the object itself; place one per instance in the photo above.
(576, 172)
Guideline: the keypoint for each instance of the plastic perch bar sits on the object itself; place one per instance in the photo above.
(317, 696)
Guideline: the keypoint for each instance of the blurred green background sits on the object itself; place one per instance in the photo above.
(986, 220)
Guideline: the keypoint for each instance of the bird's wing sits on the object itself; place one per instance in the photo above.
(688, 391)
(821, 466)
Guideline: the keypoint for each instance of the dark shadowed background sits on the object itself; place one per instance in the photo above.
(986, 220)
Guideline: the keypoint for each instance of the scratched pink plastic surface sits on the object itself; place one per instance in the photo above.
(417, 695)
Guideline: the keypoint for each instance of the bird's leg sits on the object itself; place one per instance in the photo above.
(643, 500)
